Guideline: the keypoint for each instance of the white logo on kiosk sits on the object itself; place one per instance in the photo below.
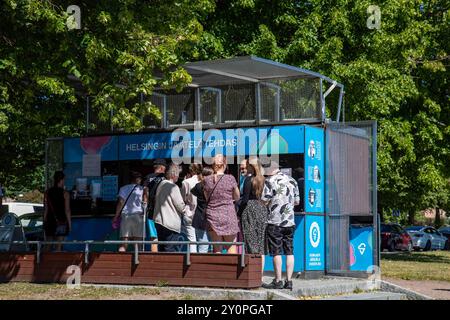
(314, 234)
(362, 248)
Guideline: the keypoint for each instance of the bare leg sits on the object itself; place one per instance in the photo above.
(154, 246)
(215, 237)
(277, 262)
(289, 267)
(231, 238)
(123, 247)
(59, 245)
(49, 247)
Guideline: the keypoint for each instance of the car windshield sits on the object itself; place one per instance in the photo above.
(31, 221)
(414, 228)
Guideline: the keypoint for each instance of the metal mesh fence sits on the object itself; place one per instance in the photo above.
(351, 187)
(151, 121)
(237, 103)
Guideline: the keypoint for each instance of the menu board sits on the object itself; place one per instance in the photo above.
(314, 168)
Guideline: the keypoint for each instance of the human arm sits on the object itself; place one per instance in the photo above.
(296, 192)
(67, 209)
(120, 203)
(266, 195)
(145, 200)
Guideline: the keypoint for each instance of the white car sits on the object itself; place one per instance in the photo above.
(427, 238)
(21, 208)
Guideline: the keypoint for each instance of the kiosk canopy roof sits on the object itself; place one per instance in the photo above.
(244, 69)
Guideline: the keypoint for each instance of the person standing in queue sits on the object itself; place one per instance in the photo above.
(152, 181)
(57, 216)
(253, 211)
(130, 209)
(169, 210)
(281, 194)
(221, 190)
(199, 221)
(190, 199)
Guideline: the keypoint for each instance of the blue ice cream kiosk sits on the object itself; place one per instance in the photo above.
(241, 107)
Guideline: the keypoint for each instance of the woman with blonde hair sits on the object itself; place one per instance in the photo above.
(221, 190)
(254, 213)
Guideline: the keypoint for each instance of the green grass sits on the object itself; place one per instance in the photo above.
(432, 265)
(19, 290)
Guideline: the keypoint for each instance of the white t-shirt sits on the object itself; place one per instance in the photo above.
(134, 203)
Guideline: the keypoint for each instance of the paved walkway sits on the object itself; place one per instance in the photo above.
(435, 289)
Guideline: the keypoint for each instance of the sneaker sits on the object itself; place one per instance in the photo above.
(273, 285)
(288, 285)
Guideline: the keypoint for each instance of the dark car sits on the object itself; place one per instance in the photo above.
(445, 231)
(33, 227)
(394, 237)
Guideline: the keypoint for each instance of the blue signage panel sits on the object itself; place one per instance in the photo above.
(231, 142)
(315, 243)
(314, 170)
(299, 248)
(75, 148)
(361, 248)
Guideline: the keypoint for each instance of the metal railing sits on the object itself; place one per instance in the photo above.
(136, 244)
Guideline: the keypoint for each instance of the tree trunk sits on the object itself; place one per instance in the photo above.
(411, 218)
(437, 218)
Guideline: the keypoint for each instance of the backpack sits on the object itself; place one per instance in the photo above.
(153, 186)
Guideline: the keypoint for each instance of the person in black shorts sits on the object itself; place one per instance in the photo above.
(281, 194)
(57, 216)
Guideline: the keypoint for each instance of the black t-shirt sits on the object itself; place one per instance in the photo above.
(248, 193)
(153, 179)
(56, 204)
(199, 219)
(151, 182)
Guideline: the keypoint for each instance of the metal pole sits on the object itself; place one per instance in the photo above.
(242, 256)
(322, 101)
(258, 102)
(341, 94)
(86, 253)
(38, 253)
(136, 254)
(87, 114)
(143, 231)
(188, 254)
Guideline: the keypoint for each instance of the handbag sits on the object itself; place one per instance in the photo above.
(116, 223)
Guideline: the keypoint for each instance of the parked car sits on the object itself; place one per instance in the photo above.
(445, 232)
(394, 237)
(427, 238)
(33, 226)
(21, 208)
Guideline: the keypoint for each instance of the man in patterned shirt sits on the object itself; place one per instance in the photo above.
(281, 195)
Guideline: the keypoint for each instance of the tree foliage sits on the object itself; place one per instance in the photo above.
(397, 74)
(123, 48)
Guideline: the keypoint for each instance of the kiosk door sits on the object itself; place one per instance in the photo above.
(351, 197)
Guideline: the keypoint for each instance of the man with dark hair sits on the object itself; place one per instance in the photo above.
(151, 182)
(57, 215)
